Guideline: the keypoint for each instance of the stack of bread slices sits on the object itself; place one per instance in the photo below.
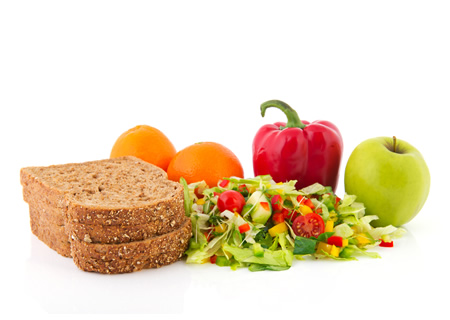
(111, 216)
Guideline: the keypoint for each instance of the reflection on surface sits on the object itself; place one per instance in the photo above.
(60, 287)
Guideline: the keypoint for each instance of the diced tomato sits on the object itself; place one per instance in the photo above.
(213, 259)
(244, 227)
(310, 225)
(335, 240)
(309, 203)
(224, 183)
(292, 215)
(305, 201)
(387, 244)
(216, 194)
(265, 205)
(277, 203)
(285, 213)
(278, 217)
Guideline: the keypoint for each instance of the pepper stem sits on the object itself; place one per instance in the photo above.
(293, 121)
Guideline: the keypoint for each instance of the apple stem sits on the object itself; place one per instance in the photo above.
(395, 143)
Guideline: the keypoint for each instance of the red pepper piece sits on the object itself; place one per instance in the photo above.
(297, 150)
(336, 204)
(224, 183)
(387, 244)
(213, 259)
(335, 240)
(265, 205)
(244, 228)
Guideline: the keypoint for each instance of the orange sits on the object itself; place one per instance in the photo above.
(146, 143)
(207, 161)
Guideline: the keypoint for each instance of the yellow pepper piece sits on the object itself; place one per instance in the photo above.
(279, 228)
(201, 201)
(362, 239)
(322, 246)
(304, 209)
(329, 226)
(344, 242)
(327, 248)
(334, 251)
(221, 228)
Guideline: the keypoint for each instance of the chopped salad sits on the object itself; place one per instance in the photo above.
(262, 225)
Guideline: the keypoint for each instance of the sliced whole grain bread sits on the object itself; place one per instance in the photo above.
(109, 201)
(92, 233)
(153, 252)
(120, 191)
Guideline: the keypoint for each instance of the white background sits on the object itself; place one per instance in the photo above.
(75, 75)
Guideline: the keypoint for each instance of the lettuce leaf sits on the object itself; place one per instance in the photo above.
(343, 230)
(351, 250)
(187, 198)
(315, 188)
(278, 258)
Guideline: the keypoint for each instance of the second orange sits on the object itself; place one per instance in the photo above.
(208, 161)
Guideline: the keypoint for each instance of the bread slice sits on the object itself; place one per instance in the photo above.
(153, 252)
(109, 201)
(120, 191)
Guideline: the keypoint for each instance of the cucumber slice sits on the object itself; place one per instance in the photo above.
(258, 250)
(261, 208)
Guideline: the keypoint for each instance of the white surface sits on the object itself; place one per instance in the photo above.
(74, 76)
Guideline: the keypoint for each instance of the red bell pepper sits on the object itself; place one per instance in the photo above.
(335, 240)
(244, 227)
(297, 150)
(387, 244)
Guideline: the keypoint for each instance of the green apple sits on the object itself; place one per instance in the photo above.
(390, 177)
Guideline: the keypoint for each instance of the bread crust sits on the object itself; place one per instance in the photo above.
(134, 256)
(92, 233)
(127, 216)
